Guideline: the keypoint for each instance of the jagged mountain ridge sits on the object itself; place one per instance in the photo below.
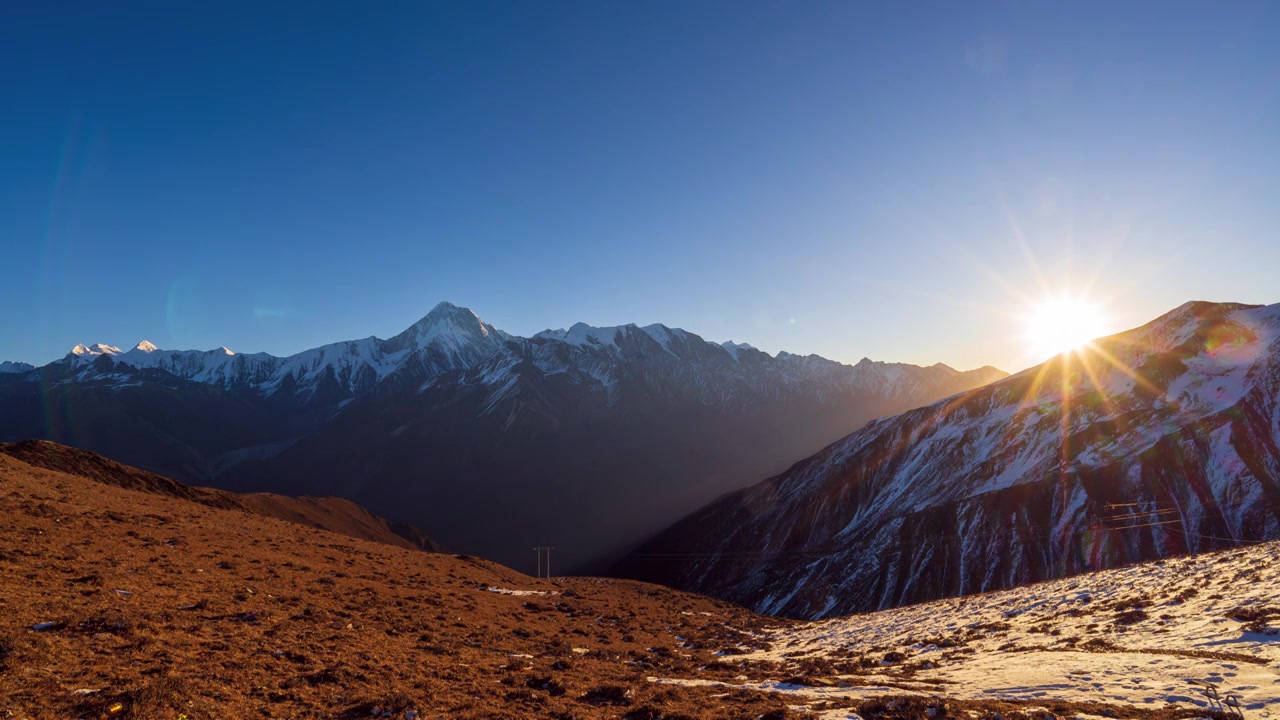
(589, 438)
(453, 338)
(1158, 441)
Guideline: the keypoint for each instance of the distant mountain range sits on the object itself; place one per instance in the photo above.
(1158, 441)
(587, 439)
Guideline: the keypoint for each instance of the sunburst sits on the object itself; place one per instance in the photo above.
(1063, 324)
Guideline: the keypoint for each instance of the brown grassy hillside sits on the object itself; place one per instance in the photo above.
(330, 513)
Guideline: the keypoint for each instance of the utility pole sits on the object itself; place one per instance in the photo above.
(538, 551)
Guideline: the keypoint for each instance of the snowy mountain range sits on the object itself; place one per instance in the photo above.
(588, 438)
(448, 338)
(1155, 442)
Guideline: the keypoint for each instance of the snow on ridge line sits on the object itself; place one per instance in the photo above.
(457, 337)
(735, 349)
(94, 350)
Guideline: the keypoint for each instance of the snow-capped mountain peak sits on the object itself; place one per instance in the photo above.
(449, 337)
(447, 315)
(449, 324)
(146, 346)
(92, 351)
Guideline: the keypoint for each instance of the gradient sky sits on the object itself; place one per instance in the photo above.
(892, 180)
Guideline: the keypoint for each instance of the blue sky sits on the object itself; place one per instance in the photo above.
(892, 180)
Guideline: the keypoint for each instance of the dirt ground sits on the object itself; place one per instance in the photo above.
(117, 603)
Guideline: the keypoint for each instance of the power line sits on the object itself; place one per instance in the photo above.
(539, 550)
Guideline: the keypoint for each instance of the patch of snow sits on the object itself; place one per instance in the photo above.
(520, 593)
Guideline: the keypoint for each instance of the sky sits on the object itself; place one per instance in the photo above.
(892, 180)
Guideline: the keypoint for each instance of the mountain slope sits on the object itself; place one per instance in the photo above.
(588, 439)
(333, 514)
(1154, 635)
(1155, 442)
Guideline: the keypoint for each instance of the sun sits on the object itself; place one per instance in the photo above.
(1064, 323)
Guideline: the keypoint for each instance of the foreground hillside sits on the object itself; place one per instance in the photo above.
(116, 603)
(329, 513)
(1156, 442)
(158, 605)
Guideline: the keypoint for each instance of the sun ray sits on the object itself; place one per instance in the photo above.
(1085, 356)
(1016, 228)
(1124, 368)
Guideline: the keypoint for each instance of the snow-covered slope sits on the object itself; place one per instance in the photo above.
(1137, 638)
(1154, 442)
